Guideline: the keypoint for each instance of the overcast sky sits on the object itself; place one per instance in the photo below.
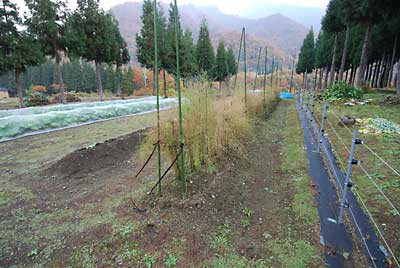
(227, 6)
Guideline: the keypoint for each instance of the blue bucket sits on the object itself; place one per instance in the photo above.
(286, 95)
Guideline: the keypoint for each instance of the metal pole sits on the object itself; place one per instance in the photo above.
(238, 61)
(322, 129)
(258, 66)
(245, 66)
(178, 85)
(265, 70)
(157, 93)
(347, 183)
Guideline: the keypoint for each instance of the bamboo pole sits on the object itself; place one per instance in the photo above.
(265, 71)
(238, 61)
(245, 66)
(258, 66)
(178, 85)
(157, 93)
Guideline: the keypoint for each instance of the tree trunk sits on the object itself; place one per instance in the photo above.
(321, 73)
(315, 79)
(364, 57)
(380, 71)
(394, 75)
(347, 74)
(304, 81)
(351, 74)
(119, 92)
(344, 55)
(367, 73)
(332, 74)
(165, 85)
(398, 78)
(19, 89)
(385, 72)
(99, 83)
(376, 72)
(370, 73)
(392, 61)
(326, 77)
(60, 78)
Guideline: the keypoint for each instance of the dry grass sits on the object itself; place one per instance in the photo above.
(213, 123)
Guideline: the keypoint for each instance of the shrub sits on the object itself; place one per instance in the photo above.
(145, 92)
(39, 88)
(69, 97)
(213, 124)
(36, 99)
(341, 91)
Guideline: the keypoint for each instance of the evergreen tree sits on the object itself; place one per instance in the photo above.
(170, 44)
(221, 70)
(121, 57)
(231, 62)
(189, 66)
(367, 13)
(128, 86)
(306, 60)
(333, 23)
(47, 21)
(204, 50)
(18, 48)
(145, 39)
(92, 35)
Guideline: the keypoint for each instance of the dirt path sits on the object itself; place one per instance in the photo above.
(258, 210)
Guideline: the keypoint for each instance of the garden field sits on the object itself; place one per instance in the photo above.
(83, 206)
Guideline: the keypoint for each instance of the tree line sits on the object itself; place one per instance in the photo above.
(358, 43)
(78, 75)
(195, 59)
(51, 31)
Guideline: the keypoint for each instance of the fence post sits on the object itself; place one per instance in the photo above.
(322, 129)
(347, 183)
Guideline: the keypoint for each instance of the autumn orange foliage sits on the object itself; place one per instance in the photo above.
(39, 88)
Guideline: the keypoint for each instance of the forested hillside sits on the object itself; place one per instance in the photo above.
(280, 33)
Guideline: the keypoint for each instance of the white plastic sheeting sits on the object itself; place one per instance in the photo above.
(14, 123)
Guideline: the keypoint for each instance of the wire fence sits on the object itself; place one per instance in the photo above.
(356, 190)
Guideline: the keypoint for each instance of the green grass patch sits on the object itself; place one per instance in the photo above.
(299, 254)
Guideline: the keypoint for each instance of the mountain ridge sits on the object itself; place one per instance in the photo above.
(278, 32)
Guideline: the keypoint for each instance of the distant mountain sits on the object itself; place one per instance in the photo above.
(307, 16)
(278, 32)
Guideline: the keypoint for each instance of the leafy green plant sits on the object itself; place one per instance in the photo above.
(247, 212)
(341, 91)
(33, 252)
(245, 223)
(171, 261)
(148, 261)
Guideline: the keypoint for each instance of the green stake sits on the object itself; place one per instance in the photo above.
(178, 85)
(157, 93)
(238, 61)
(245, 66)
(265, 70)
(272, 73)
(258, 66)
(291, 75)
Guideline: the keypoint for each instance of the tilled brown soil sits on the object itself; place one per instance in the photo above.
(88, 181)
